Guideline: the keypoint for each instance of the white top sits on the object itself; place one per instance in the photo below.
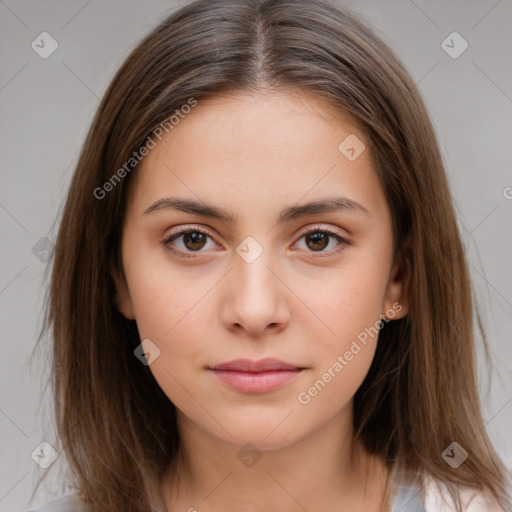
(472, 501)
(65, 504)
(407, 499)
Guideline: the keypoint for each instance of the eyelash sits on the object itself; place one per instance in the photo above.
(343, 242)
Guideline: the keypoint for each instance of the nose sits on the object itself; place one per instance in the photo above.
(256, 299)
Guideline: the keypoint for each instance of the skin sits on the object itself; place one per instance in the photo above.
(253, 155)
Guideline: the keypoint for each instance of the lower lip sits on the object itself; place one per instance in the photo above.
(256, 382)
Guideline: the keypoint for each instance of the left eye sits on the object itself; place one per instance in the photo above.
(318, 240)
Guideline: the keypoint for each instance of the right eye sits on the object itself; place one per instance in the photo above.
(193, 240)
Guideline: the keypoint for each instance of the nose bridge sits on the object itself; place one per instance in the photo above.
(256, 295)
(253, 279)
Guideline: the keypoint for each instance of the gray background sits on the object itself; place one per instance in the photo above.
(46, 107)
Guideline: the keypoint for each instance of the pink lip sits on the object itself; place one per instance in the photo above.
(255, 376)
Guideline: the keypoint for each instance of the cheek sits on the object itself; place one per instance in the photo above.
(344, 302)
(349, 303)
(169, 312)
(342, 360)
(179, 325)
(173, 309)
(165, 296)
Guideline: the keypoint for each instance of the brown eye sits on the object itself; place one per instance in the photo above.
(188, 241)
(318, 240)
(194, 240)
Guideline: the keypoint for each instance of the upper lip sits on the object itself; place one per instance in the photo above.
(248, 365)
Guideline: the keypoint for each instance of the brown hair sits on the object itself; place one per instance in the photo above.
(117, 427)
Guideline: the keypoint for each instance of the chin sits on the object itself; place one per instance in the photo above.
(265, 435)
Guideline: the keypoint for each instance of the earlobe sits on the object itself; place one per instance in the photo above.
(397, 303)
(122, 298)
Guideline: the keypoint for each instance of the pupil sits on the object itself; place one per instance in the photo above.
(320, 240)
(194, 238)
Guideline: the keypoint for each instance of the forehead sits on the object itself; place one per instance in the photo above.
(265, 148)
(288, 120)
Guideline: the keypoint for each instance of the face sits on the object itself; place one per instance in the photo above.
(241, 268)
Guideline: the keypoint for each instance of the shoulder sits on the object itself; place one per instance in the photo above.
(437, 499)
(69, 503)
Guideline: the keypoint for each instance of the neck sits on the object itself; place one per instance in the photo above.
(322, 471)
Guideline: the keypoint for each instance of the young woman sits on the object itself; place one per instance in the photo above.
(260, 299)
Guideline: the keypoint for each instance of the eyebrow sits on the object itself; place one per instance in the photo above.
(289, 213)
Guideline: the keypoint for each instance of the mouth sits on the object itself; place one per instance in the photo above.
(261, 376)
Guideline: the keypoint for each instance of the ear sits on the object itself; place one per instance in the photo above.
(396, 303)
(122, 299)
